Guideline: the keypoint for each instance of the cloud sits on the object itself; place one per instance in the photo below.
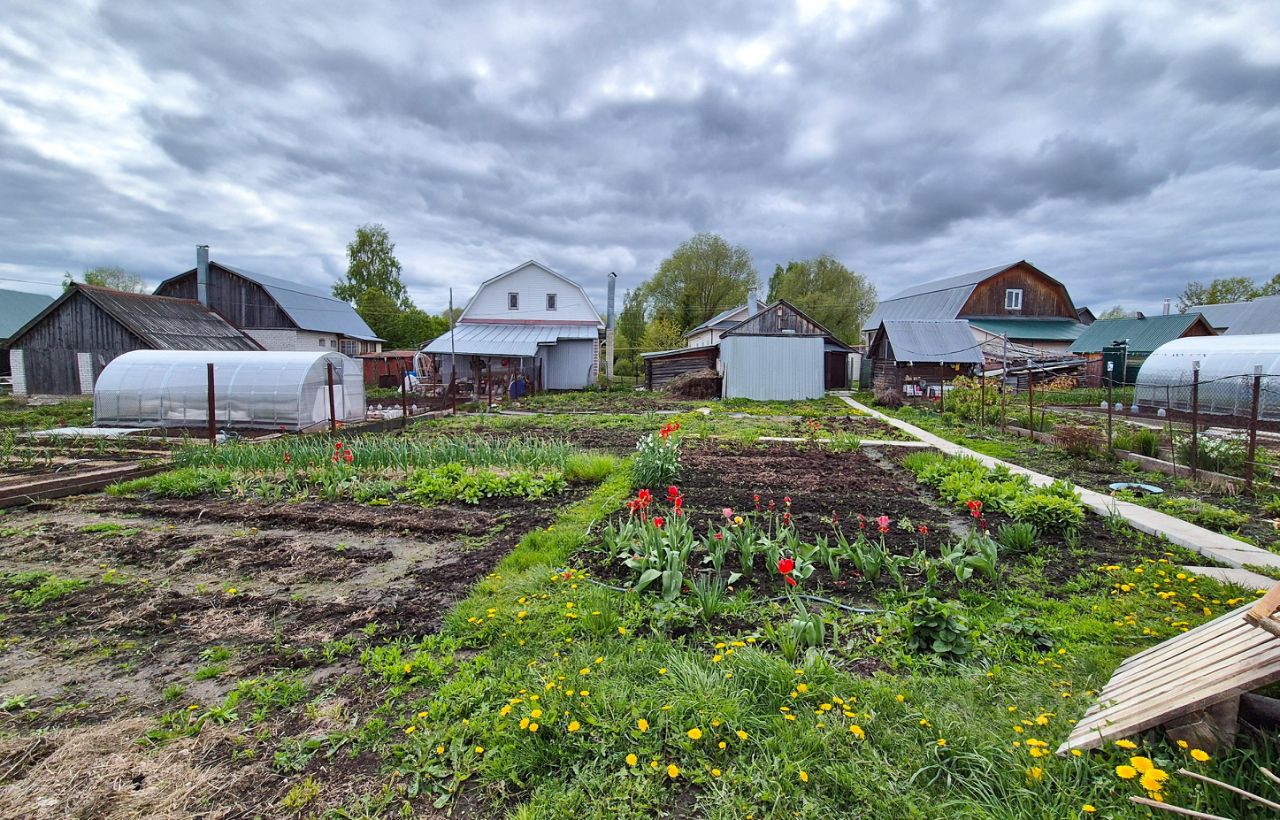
(911, 140)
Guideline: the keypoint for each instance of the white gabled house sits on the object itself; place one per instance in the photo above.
(530, 328)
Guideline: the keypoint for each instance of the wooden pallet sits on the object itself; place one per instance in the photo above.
(1191, 685)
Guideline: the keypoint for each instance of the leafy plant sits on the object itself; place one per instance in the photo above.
(1048, 512)
(657, 459)
(1202, 513)
(708, 594)
(933, 626)
(1218, 454)
(1142, 440)
(976, 552)
(1078, 440)
(1017, 538)
(35, 589)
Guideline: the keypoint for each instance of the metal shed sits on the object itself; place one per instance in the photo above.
(781, 354)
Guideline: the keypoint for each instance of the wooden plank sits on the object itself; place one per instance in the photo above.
(76, 484)
(1165, 647)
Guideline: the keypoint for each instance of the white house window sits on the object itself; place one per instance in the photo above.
(551, 301)
(349, 347)
(321, 341)
(513, 301)
(1013, 299)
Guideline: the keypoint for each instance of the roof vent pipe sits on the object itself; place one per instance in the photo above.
(202, 274)
(1166, 306)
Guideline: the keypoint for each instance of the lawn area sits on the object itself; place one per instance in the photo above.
(530, 617)
(18, 414)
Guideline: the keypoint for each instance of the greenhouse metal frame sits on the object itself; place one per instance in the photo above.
(269, 390)
(1227, 365)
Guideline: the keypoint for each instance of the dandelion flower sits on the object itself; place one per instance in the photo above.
(1142, 764)
(408, 730)
(857, 732)
(1153, 781)
(942, 741)
(1199, 755)
(533, 727)
(1088, 808)
(642, 725)
(723, 745)
(535, 714)
(1035, 773)
(1126, 772)
(632, 760)
(804, 776)
(715, 772)
(695, 733)
(742, 735)
(1126, 744)
(574, 726)
(1182, 744)
(440, 750)
(479, 750)
(584, 671)
(673, 771)
(662, 671)
(802, 687)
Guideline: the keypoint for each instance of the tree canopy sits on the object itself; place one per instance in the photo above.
(830, 293)
(1226, 289)
(1115, 312)
(372, 264)
(109, 276)
(661, 334)
(402, 328)
(701, 277)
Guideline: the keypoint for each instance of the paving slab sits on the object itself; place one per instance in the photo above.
(1221, 548)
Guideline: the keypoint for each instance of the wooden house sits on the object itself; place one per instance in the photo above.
(62, 349)
(917, 357)
(279, 314)
(529, 323)
(708, 333)
(1019, 301)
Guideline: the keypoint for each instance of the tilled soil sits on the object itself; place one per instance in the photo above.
(174, 586)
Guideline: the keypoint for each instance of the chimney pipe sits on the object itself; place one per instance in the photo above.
(609, 334)
(1166, 306)
(613, 285)
(202, 274)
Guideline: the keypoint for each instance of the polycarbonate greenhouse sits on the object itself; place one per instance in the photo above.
(1226, 375)
(252, 389)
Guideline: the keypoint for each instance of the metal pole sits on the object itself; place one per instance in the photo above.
(488, 372)
(982, 402)
(333, 412)
(1253, 425)
(404, 400)
(1110, 383)
(610, 335)
(1031, 411)
(453, 360)
(213, 421)
(1004, 378)
(1195, 419)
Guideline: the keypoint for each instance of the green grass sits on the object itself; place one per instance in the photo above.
(33, 590)
(17, 414)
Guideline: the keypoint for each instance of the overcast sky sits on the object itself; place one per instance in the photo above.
(1123, 148)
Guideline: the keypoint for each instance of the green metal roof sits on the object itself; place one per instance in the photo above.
(1144, 335)
(1044, 330)
(17, 308)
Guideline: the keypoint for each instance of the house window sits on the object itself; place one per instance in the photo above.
(1013, 299)
(349, 347)
(551, 301)
(321, 341)
(513, 301)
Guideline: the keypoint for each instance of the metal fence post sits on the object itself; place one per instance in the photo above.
(982, 402)
(1031, 390)
(404, 400)
(1253, 426)
(333, 413)
(1110, 384)
(213, 416)
(1195, 419)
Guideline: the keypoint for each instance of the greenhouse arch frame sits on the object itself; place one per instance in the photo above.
(1227, 366)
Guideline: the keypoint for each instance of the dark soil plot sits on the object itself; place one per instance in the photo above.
(114, 612)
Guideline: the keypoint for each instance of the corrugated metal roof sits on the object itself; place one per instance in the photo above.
(497, 339)
(960, 280)
(311, 309)
(1045, 330)
(937, 305)
(169, 324)
(19, 307)
(948, 342)
(1243, 318)
(723, 317)
(1144, 335)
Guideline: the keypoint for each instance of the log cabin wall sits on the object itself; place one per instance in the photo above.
(243, 303)
(1040, 296)
(661, 369)
(50, 347)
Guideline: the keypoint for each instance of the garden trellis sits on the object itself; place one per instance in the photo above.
(252, 389)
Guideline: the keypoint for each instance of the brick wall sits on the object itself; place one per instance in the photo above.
(84, 363)
(18, 368)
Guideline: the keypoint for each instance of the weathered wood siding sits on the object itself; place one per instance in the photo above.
(77, 325)
(776, 320)
(661, 369)
(1040, 296)
(243, 303)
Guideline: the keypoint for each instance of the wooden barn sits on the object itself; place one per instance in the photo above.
(1019, 301)
(917, 357)
(664, 365)
(63, 349)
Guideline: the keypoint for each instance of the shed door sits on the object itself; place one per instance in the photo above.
(52, 370)
(836, 367)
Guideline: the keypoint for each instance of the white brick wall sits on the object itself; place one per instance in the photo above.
(303, 340)
(18, 367)
(84, 363)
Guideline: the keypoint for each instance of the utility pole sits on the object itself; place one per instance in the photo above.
(453, 359)
(609, 332)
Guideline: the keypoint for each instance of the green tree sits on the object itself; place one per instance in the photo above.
(630, 325)
(1116, 312)
(1271, 287)
(416, 327)
(372, 264)
(1231, 289)
(1195, 293)
(700, 278)
(380, 313)
(109, 276)
(829, 292)
(661, 334)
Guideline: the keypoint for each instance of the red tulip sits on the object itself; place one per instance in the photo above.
(718, 536)
(658, 521)
(883, 523)
(786, 518)
(922, 529)
(975, 508)
(673, 493)
(786, 565)
(786, 499)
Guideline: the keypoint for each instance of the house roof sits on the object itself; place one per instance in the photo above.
(17, 308)
(481, 339)
(948, 341)
(162, 322)
(1144, 335)
(309, 308)
(1261, 315)
(741, 328)
(1040, 329)
(940, 299)
(543, 267)
(721, 320)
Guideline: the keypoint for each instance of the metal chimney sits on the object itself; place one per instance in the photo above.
(1166, 306)
(202, 274)
(609, 334)
(613, 285)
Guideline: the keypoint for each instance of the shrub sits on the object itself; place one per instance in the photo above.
(1218, 454)
(964, 398)
(1143, 441)
(1078, 440)
(889, 398)
(1203, 513)
(1017, 538)
(1048, 512)
(657, 459)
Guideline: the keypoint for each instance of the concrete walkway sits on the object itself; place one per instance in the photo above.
(1221, 548)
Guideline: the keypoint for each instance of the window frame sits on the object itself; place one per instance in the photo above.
(552, 301)
(1009, 294)
(513, 300)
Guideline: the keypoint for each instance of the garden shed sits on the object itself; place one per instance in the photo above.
(1226, 375)
(913, 356)
(263, 390)
(780, 354)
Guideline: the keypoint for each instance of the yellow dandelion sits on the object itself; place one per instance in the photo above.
(479, 750)
(1035, 773)
(715, 772)
(1142, 764)
(1126, 772)
(1182, 744)
(1126, 744)
(857, 732)
(440, 750)
(533, 727)
(742, 735)
(1153, 781)
(695, 733)
(535, 714)
(584, 671)
(662, 671)
(408, 730)
(804, 776)
(673, 771)
(632, 760)
(1088, 808)
(942, 741)
(574, 726)
(1199, 755)
(642, 725)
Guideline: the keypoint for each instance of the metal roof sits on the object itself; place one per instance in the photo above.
(1040, 329)
(1144, 335)
(311, 309)
(1261, 315)
(940, 299)
(502, 339)
(947, 342)
(950, 282)
(169, 324)
(723, 317)
(19, 307)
